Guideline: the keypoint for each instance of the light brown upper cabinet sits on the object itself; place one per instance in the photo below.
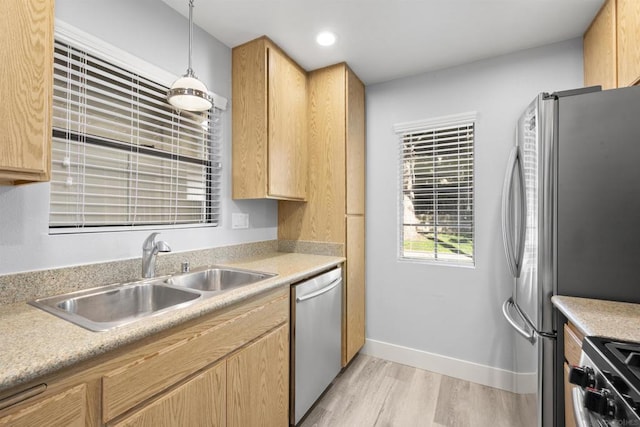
(600, 66)
(26, 82)
(269, 123)
(335, 206)
(612, 46)
(628, 42)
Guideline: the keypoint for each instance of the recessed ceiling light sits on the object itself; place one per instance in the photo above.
(326, 38)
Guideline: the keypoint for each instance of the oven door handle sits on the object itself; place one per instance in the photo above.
(580, 413)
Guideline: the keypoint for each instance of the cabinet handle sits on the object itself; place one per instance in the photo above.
(22, 396)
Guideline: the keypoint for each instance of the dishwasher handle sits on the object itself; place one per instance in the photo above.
(320, 291)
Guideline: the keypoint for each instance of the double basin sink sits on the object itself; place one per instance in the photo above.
(108, 307)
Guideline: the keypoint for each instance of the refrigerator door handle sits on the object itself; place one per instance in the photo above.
(523, 213)
(507, 230)
(525, 330)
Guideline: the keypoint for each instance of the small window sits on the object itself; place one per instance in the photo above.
(436, 196)
(121, 155)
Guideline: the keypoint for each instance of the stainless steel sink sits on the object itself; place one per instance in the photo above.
(108, 307)
(217, 279)
(101, 309)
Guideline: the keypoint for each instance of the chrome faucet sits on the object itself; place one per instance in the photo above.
(150, 249)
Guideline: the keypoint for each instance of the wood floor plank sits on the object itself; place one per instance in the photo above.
(411, 400)
(527, 407)
(374, 392)
(343, 403)
(491, 407)
(374, 385)
(452, 408)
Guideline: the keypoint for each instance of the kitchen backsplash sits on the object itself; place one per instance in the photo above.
(315, 248)
(27, 286)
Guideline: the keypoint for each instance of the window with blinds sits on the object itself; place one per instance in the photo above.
(121, 155)
(436, 197)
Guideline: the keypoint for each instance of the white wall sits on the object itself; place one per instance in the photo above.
(449, 311)
(154, 32)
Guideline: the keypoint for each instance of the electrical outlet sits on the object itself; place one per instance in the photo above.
(239, 220)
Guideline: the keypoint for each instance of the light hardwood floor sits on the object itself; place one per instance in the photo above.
(376, 392)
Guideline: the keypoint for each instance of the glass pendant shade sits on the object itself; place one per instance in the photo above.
(187, 92)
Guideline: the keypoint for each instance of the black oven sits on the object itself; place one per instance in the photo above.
(608, 380)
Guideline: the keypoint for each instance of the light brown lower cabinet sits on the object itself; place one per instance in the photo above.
(258, 382)
(230, 367)
(66, 408)
(198, 402)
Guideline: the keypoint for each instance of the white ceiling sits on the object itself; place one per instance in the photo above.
(386, 39)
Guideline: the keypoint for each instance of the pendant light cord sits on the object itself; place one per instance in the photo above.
(190, 70)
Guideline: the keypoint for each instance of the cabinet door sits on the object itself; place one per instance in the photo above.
(26, 44)
(258, 382)
(628, 14)
(287, 127)
(64, 409)
(600, 64)
(321, 219)
(355, 145)
(199, 402)
(572, 344)
(249, 121)
(355, 288)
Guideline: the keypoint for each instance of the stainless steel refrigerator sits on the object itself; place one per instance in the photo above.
(570, 219)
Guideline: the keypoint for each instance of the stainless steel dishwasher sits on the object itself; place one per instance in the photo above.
(316, 339)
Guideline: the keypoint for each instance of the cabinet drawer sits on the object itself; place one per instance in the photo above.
(572, 344)
(199, 402)
(152, 372)
(63, 409)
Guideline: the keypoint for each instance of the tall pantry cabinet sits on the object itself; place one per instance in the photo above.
(335, 207)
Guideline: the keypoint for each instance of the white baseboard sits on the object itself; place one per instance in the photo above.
(481, 374)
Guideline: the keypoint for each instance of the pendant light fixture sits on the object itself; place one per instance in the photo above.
(188, 93)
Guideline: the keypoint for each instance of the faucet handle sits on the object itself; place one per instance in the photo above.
(149, 241)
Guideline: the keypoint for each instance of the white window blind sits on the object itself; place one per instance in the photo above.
(121, 155)
(436, 197)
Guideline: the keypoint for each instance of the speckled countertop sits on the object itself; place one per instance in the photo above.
(34, 343)
(612, 319)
